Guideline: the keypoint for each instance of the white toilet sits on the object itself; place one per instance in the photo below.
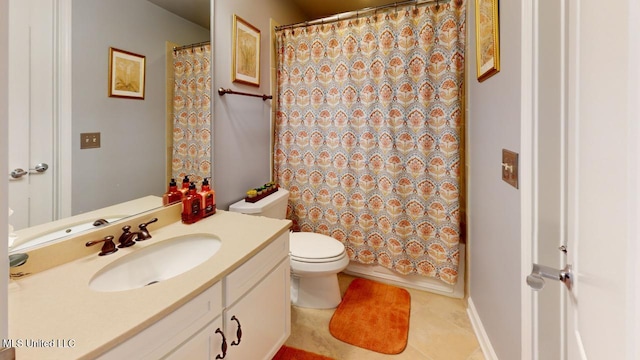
(316, 259)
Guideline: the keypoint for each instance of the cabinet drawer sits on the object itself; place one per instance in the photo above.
(169, 332)
(244, 278)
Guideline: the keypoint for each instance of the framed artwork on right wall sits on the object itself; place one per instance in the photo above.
(487, 39)
(246, 52)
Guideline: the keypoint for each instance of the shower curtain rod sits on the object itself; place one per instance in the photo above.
(176, 48)
(354, 14)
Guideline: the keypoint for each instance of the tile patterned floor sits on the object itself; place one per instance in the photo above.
(439, 329)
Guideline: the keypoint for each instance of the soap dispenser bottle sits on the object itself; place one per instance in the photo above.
(192, 206)
(173, 195)
(185, 185)
(208, 199)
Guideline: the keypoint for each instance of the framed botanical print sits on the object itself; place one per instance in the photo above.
(126, 74)
(487, 39)
(246, 52)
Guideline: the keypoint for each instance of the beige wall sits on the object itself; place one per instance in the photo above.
(242, 125)
(493, 123)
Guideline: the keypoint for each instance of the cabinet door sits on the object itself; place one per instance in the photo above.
(262, 317)
(175, 329)
(204, 345)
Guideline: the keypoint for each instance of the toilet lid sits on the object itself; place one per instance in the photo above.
(305, 246)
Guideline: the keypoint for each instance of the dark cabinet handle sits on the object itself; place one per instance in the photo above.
(238, 333)
(223, 347)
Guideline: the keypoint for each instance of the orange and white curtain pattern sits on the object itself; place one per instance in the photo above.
(192, 113)
(368, 131)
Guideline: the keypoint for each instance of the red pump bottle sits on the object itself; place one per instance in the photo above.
(173, 195)
(208, 199)
(192, 206)
(185, 185)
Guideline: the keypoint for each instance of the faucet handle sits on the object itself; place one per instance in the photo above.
(107, 248)
(126, 239)
(100, 222)
(144, 233)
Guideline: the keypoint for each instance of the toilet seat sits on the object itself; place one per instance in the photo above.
(310, 247)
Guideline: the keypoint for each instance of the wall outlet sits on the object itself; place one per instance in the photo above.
(510, 167)
(89, 140)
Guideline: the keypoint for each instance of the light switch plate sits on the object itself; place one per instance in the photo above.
(89, 140)
(510, 167)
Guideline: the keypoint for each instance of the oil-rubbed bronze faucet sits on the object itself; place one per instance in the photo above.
(100, 222)
(144, 233)
(107, 248)
(129, 238)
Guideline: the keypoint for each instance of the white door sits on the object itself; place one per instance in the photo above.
(602, 192)
(598, 183)
(31, 111)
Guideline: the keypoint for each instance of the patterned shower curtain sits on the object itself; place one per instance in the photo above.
(192, 113)
(368, 134)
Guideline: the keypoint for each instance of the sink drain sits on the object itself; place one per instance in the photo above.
(153, 282)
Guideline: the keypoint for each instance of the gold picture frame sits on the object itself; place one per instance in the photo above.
(487, 39)
(126, 74)
(246, 53)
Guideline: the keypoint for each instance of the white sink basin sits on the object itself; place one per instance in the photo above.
(156, 263)
(70, 229)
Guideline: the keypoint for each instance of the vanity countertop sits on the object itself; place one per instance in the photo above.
(56, 313)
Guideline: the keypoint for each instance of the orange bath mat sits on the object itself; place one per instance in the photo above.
(289, 353)
(373, 316)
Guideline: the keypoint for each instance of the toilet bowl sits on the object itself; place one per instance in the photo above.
(315, 259)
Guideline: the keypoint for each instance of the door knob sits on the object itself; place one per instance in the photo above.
(18, 173)
(42, 167)
(539, 272)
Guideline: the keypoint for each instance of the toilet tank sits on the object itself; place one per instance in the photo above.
(273, 206)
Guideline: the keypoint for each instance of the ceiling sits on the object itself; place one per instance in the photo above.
(197, 11)
(317, 9)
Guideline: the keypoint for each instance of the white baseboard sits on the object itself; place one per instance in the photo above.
(481, 334)
(377, 272)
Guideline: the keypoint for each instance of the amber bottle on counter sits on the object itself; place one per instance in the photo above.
(173, 195)
(192, 206)
(185, 185)
(208, 199)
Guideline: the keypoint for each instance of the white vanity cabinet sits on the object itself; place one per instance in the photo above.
(181, 331)
(250, 309)
(257, 302)
(206, 344)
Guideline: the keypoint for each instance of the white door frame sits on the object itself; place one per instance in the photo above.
(633, 323)
(62, 129)
(527, 170)
(4, 165)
